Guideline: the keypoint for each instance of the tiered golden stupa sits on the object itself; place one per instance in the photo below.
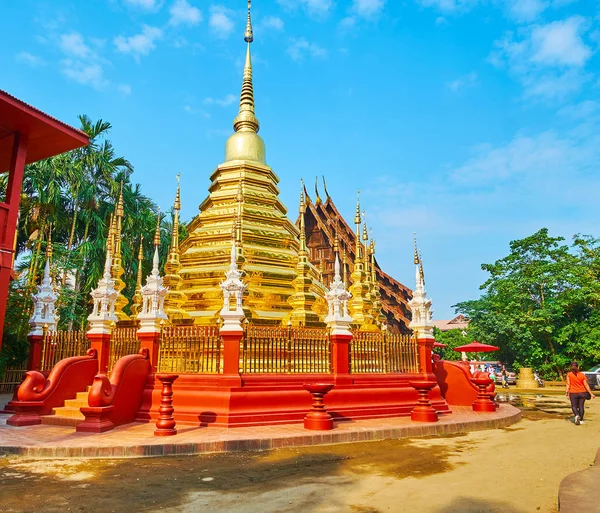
(285, 271)
(268, 245)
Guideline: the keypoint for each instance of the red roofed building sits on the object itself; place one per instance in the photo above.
(26, 135)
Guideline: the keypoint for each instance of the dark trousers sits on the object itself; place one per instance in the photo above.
(578, 403)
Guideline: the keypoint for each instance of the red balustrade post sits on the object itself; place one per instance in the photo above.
(423, 411)
(149, 337)
(165, 425)
(425, 351)
(99, 336)
(36, 342)
(231, 356)
(340, 357)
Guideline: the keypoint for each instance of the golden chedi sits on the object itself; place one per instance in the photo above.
(269, 241)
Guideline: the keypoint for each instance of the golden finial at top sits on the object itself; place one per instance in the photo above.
(357, 219)
(177, 203)
(249, 35)
(120, 211)
(157, 232)
(302, 198)
(110, 237)
(49, 243)
(317, 197)
(421, 268)
(416, 255)
(365, 235)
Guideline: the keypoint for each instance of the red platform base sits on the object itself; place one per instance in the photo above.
(96, 419)
(263, 400)
(27, 413)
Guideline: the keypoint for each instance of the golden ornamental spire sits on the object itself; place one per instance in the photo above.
(117, 259)
(49, 244)
(175, 298)
(416, 255)
(137, 297)
(360, 304)
(157, 231)
(302, 211)
(246, 120)
(421, 268)
(303, 299)
(378, 314)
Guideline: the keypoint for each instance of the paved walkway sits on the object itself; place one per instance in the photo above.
(137, 439)
(580, 491)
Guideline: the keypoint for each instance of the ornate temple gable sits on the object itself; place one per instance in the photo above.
(323, 223)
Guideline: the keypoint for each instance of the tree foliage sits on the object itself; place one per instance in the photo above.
(74, 194)
(540, 303)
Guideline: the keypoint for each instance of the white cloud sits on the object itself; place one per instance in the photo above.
(314, 8)
(271, 23)
(125, 89)
(547, 59)
(31, 60)
(582, 110)
(227, 100)
(560, 43)
(184, 13)
(465, 82)
(440, 20)
(220, 20)
(300, 48)
(86, 73)
(73, 44)
(368, 8)
(346, 24)
(529, 156)
(149, 5)
(526, 10)
(140, 44)
(449, 6)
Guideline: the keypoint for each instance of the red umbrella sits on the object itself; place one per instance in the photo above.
(476, 347)
(439, 344)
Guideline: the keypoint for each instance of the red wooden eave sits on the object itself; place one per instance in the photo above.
(46, 135)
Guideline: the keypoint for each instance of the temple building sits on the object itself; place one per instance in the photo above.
(324, 226)
(287, 266)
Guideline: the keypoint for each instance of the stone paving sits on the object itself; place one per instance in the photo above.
(138, 440)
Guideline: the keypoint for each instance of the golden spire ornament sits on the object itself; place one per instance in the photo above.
(303, 299)
(175, 298)
(136, 307)
(117, 262)
(360, 305)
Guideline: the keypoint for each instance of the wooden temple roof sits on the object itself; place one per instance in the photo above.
(323, 221)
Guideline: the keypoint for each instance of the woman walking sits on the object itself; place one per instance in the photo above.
(578, 391)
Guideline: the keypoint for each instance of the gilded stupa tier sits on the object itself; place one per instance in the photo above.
(269, 241)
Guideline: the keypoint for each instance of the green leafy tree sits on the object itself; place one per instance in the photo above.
(539, 303)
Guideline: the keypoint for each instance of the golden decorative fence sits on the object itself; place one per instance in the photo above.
(57, 345)
(11, 379)
(123, 341)
(285, 350)
(383, 352)
(190, 349)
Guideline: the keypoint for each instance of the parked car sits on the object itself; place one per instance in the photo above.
(593, 377)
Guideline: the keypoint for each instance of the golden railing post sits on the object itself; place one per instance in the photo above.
(289, 347)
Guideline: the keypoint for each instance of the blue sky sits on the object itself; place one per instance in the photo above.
(471, 122)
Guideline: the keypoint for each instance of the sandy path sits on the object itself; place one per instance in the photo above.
(517, 469)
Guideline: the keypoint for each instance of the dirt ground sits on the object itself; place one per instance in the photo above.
(511, 470)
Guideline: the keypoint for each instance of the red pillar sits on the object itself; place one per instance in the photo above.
(231, 357)
(425, 347)
(340, 358)
(101, 343)
(7, 232)
(151, 341)
(35, 352)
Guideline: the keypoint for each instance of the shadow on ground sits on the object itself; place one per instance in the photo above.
(470, 505)
(150, 483)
